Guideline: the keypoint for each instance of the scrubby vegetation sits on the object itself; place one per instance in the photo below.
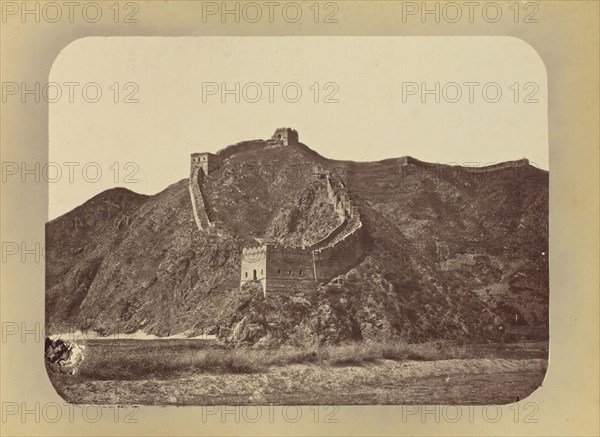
(135, 360)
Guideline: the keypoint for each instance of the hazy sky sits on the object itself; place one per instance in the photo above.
(373, 85)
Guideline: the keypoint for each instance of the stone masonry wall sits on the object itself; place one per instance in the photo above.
(278, 268)
(289, 269)
(339, 257)
(197, 196)
(282, 269)
(343, 209)
(254, 262)
(406, 160)
(343, 247)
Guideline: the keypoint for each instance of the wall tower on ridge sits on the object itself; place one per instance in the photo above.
(208, 162)
(286, 136)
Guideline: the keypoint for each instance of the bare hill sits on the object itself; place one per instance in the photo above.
(449, 252)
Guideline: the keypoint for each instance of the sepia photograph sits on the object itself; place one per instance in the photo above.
(378, 261)
(299, 218)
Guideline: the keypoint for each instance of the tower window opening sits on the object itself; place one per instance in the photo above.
(301, 273)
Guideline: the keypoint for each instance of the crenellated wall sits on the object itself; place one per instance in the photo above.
(197, 196)
(343, 247)
(343, 208)
(283, 269)
(337, 258)
(277, 268)
(289, 269)
(406, 160)
(339, 199)
(254, 266)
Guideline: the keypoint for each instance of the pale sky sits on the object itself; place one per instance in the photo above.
(176, 115)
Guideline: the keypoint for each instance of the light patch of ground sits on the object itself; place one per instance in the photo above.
(492, 290)
(457, 262)
(138, 335)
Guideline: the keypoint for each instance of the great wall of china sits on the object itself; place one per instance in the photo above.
(198, 201)
(278, 268)
(342, 248)
(406, 160)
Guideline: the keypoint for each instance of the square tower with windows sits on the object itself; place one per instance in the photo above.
(277, 268)
(286, 136)
(209, 162)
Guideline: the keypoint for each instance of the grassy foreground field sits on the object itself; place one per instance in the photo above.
(201, 372)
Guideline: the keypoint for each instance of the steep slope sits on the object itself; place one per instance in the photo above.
(76, 244)
(448, 252)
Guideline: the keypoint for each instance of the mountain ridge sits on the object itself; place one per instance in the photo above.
(439, 246)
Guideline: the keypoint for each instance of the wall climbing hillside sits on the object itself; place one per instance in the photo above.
(340, 256)
(343, 247)
(197, 196)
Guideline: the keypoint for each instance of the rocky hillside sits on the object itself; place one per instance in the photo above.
(449, 253)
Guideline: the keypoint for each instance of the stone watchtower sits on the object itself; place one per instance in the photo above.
(277, 268)
(286, 136)
(209, 162)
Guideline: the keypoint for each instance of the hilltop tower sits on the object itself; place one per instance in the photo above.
(208, 162)
(286, 136)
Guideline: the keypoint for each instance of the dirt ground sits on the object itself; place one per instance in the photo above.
(497, 380)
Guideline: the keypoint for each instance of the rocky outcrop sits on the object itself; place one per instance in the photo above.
(63, 356)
